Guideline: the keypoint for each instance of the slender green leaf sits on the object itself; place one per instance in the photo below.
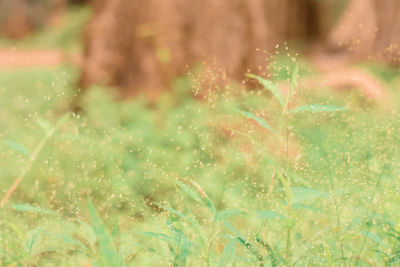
(30, 242)
(193, 193)
(286, 186)
(268, 214)
(170, 210)
(17, 147)
(274, 261)
(190, 191)
(45, 125)
(166, 238)
(270, 86)
(375, 238)
(293, 83)
(263, 123)
(304, 194)
(224, 214)
(293, 79)
(107, 248)
(30, 208)
(62, 120)
(317, 108)
(67, 239)
(228, 254)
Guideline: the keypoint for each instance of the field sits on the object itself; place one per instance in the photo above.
(202, 176)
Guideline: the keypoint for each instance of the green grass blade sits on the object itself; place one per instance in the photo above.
(17, 147)
(270, 86)
(304, 194)
(263, 123)
(193, 193)
(170, 210)
(166, 238)
(268, 214)
(45, 125)
(293, 84)
(33, 209)
(317, 108)
(107, 248)
(228, 254)
(293, 79)
(29, 243)
(224, 214)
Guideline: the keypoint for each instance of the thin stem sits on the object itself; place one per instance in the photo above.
(31, 160)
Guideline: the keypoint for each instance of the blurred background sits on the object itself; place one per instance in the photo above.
(140, 46)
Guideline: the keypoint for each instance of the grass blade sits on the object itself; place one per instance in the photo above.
(17, 147)
(293, 84)
(293, 79)
(317, 108)
(197, 194)
(263, 123)
(166, 238)
(107, 248)
(32, 159)
(270, 86)
(33, 209)
(304, 194)
(228, 254)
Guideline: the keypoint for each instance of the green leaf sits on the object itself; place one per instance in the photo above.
(205, 200)
(293, 79)
(67, 239)
(270, 86)
(304, 194)
(228, 254)
(170, 210)
(305, 207)
(263, 123)
(293, 83)
(107, 248)
(286, 186)
(30, 208)
(166, 238)
(63, 120)
(17, 147)
(224, 214)
(375, 238)
(271, 256)
(30, 242)
(268, 214)
(46, 126)
(317, 108)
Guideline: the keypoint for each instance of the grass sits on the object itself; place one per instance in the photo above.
(186, 182)
(241, 178)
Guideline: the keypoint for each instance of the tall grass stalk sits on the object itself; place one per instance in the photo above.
(32, 159)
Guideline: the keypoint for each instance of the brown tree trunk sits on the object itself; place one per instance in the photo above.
(139, 45)
(20, 17)
(15, 21)
(368, 29)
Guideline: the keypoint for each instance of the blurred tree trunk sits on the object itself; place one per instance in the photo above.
(368, 29)
(140, 45)
(15, 21)
(20, 17)
(304, 20)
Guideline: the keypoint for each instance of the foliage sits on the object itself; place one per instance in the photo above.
(185, 182)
